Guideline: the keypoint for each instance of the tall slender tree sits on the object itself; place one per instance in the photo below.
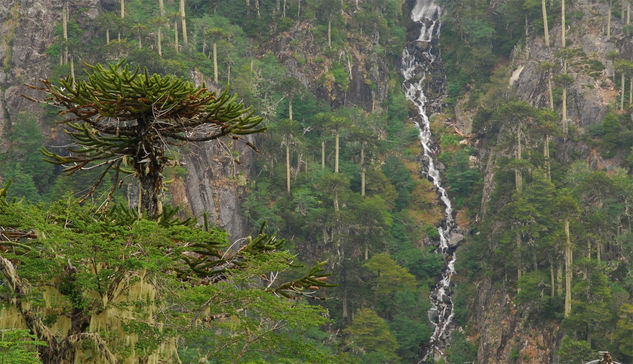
(216, 34)
(545, 28)
(290, 87)
(567, 208)
(122, 14)
(183, 22)
(625, 68)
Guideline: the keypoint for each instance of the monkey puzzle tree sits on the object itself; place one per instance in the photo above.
(124, 120)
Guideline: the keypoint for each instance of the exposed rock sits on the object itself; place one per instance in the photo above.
(506, 331)
(215, 183)
(368, 73)
(455, 239)
(464, 116)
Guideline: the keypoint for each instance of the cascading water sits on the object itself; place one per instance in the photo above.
(417, 60)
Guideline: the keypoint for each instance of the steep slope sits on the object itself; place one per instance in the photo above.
(507, 326)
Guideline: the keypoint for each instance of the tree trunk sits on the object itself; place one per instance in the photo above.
(609, 20)
(345, 311)
(151, 185)
(628, 12)
(259, 15)
(548, 170)
(559, 279)
(161, 7)
(551, 276)
(287, 166)
(176, 36)
(630, 90)
(336, 207)
(627, 213)
(322, 154)
(622, 91)
(183, 22)
(140, 42)
(283, 14)
(562, 38)
(329, 32)
(588, 248)
(564, 102)
(107, 36)
(519, 269)
(149, 164)
(568, 269)
(545, 28)
(248, 7)
(298, 9)
(215, 62)
(72, 68)
(549, 91)
(228, 74)
(518, 178)
(362, 182)
(290, 107)
(336, 153)
(362, 170)
(65, 14)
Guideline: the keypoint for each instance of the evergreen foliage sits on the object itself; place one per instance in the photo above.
(342, 182)
(124, 120)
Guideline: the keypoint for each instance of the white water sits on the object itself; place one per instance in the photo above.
(415, 65)
(428, 14)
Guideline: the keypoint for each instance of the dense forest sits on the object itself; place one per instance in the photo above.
(241, 181)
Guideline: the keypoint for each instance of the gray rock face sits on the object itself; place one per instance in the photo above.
(588, 96)
(455, 239)
(28, 29)
(367, 71)
(215, 183)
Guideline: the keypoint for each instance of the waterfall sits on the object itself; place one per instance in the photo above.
(416, 63)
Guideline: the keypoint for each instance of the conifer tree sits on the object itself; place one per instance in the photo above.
(124, 120)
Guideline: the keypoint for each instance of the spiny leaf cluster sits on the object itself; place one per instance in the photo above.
(123, 119)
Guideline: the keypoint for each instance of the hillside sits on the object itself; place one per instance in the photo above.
(508, 129)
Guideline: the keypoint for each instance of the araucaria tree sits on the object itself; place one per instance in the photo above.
(124, 120)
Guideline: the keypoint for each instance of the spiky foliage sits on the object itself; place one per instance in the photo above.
(211, 264)
(124, 120)
(68, 265)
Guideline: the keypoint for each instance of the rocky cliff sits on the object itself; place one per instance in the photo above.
(506, 334)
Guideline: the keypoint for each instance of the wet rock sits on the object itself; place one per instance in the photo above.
(455, 239)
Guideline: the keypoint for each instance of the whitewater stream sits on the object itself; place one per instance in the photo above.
(417, 59)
